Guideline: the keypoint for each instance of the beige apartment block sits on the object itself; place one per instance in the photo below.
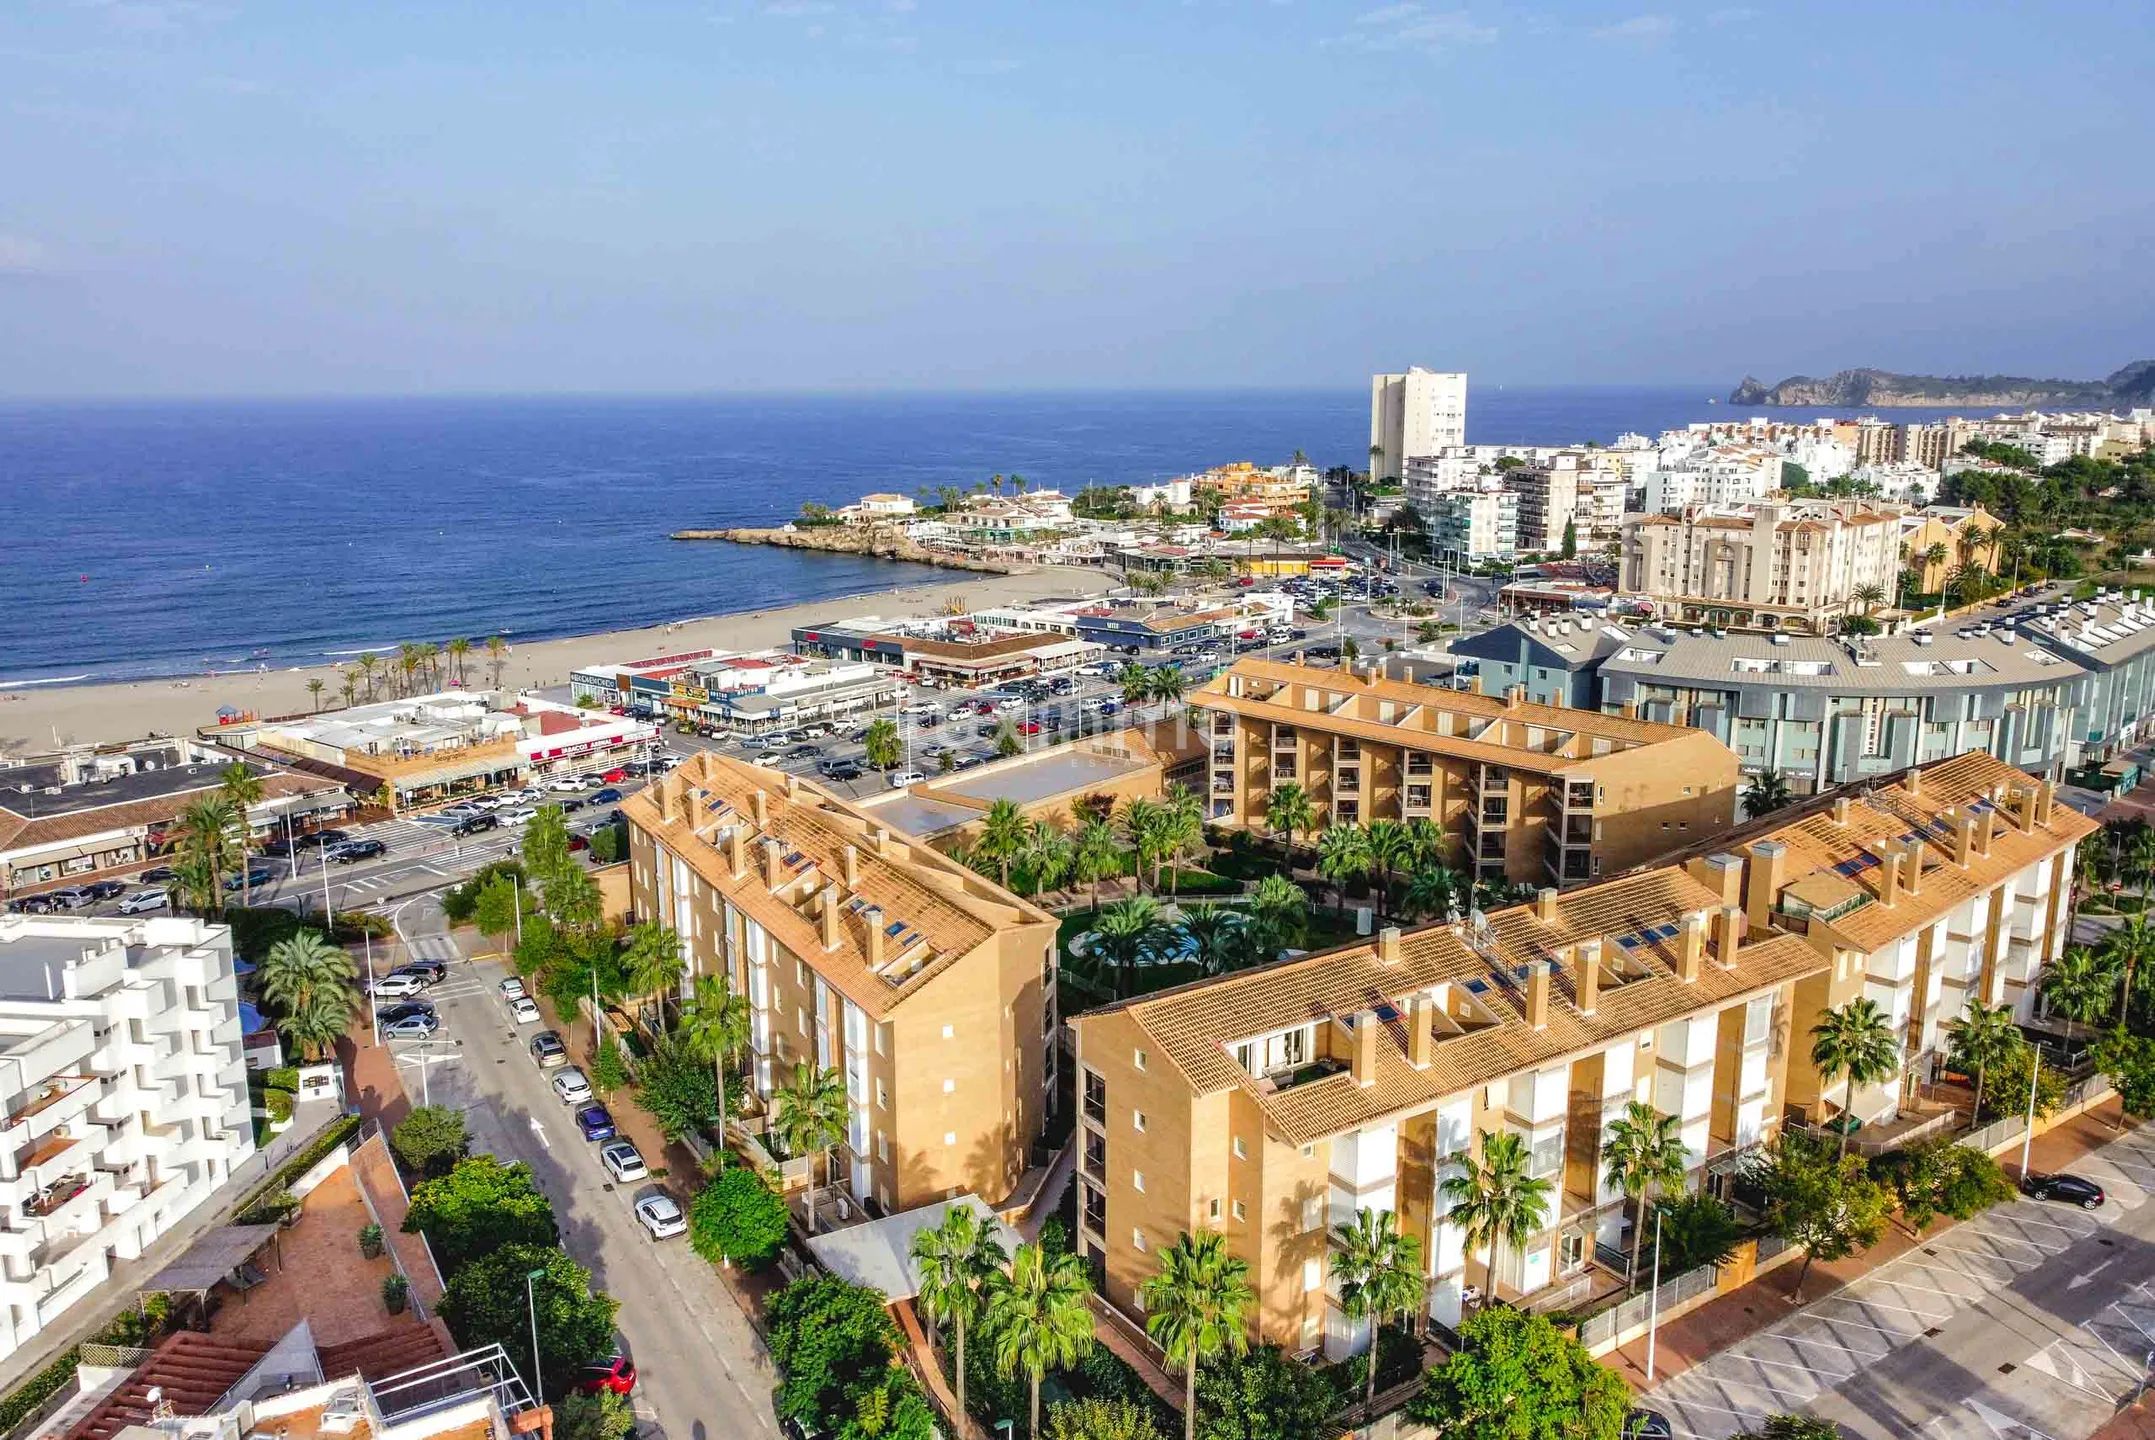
(928, 987)
(1794, 564)
(1272, 1104)
(1418, 413)
(1532, 794)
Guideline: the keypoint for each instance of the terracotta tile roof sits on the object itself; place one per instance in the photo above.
(932, 910)
(192, 1370)
(385, 1352)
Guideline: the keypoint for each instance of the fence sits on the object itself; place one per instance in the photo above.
(1604, 1328)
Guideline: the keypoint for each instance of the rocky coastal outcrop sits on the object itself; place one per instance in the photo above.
(2123, 389)
(848, 540)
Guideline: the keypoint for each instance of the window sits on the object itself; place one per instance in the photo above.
(882, 1146)
(1548, 1154)
(1138, 1059)
(950, 1087)
(1137, 1240)
(1240, 1214)
(1213, 1209)
(1137, 1117)
(882, 1100)
(1137, 1181)
(1312, 1275)
(1241, 1153)
(1312, 1215)
(950, 1137)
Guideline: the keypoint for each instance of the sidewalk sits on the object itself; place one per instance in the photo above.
(1768, 1300)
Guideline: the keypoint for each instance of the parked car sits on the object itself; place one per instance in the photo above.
(579, 842)
(430, 972)
(843, 770)
(608, 796)
(143, 901)
(473, 824)
(571, 1087)
(320, 839)
(32, 905)
(904, 778)
(395, 986)
(521, 815)
(616, 1373)
(596, 1122)
(624, 1162)
(250, 879)
(74, 897)
(661, 1216)
(412, 1027)
(2072, 1189)
(404, 1010)
(512, 988)
(615, 776)
(351, 852)
(571, 805)
(524, 1010)
(158, 875)
(547, 1049)
(106, 889)
(568, 783)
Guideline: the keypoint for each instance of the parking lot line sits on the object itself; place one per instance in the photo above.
(1827, 1345)
(1862, 1325)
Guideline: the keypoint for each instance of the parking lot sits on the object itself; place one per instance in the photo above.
(2032, 1320)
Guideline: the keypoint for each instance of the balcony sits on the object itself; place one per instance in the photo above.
(1575, 796)
(1094, 1158)
(49, 1104)
(47, 1161)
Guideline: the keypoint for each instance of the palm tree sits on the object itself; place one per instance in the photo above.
(243, 788)
(315, 686)
(298, 971)
(1212, 931)
(1166, 686)
(957, 1260)
(1039, 1317)
(459, 647)
(1379, 1272)
(348, 686)
(883, 748)
(2128, 945)
(1495, 1201)
(1136, 682)
(1641, 1151)
(368, 664)
(206, 841)
(1288, 812)
(1984, 1036)
(2078, 985)
(1432, 892)
(1767, 792)
(1854, 1041)
(1869, 596)
(1343, 855)
(315, 1027)
(1391, 848)
(1281, 907)
(1003, 833)
(1096, 853)
(713, 1026)
(652, 962)
(497, 656)
(1181, 828)
(1049, 855)
(1195, 1307)
(1127, 933)
(1150, 829)
(1934, 555)
(810, 1116)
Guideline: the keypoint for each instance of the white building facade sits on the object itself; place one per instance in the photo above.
(1418, 413)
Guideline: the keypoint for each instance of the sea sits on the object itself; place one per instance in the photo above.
(147, 539)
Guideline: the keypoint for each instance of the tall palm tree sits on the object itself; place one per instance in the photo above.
(957, 1260)
(2079, 985)
(1181, 828)
(1495, 1201)
(1767, 792)
(315, 686)
(652, 963)
(1432, 892)
(497, 656)
(299, 970)
(1195, 1307)
(1288, 812)
(459, 647)
(1049, 856)
(1380, 1273)
(315, 1027)
(1426, 839)
(1128, 933)
(1039, 1317)
(881, 746)
(1212, 931)
(1150, 829)
(2129, 945)
(347, 686)
(1003, 833)
(1391, 849)
(368, 664)
(1642, 1150)
(1166, 686)
(1281, 907)
(1136, 682)
(1983, 1037)
(713, 1027)
(206, 841)
(810, 1115)
(1097, 853)
(1343, 856)
(1855, 1042)
(243, 788)
(1869, 596)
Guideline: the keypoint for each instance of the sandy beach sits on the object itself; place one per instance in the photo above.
(39, 718)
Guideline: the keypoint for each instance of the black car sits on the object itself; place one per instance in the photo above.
(158, 875)
(404, 1010)
(318, 839)
(353, 851)
(608, 796)
(2072, 1189)
(843, 770)
(430, 972)
(105, 889)
(570, 804)
(1644, 1424)
(34, 905)
(473, 824)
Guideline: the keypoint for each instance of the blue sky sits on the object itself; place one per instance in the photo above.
(219, 196)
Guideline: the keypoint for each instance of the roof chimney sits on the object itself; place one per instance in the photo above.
(1912, 857)
(1388, 945)
(1986, 829)
(737, 850)
(1588, 979)
(1769, 871)
(1914, 782)
(2024, 801)
(1545, 905)
(1963, 839)
(667, 801)
(1516, 695)
(1728, 936)
(1889, 875)
(1840, 809)
(760, 805)
(1537, 995)
(830, 917)
(2045, 794)
(872, 918)
(1474, 684)
(850, 859)
(773, 863)
(1365, 1048)
(1721, 873)
(1694, 947)
(1421, 1030)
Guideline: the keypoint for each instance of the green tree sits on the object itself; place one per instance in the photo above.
(1391, 849)
(738, 1216)
(609, 1070)
(830, 1339)
(206, 848)
(1696, 1229)
(1128, 933)
(498, 908)
(1039, 1318)
(1982, 1039)
(1049, 856)
(310, 984)
(1793, 1427)
(479, 1206)
(2011, 1079)
(1098, 1419)
(1197, 1305)
(713, 1027)
(1214, 935)
(1278, 909)
(957, 1261)
(2131, 943)
(2129, 1061)
(1380, 1273)
(810, 1117)
(677, 1088)
(1822, 1201)
(651, 959)
(1516, 1376)
(593, 1415)
(1096, 854)
(1937, 1177)
(1767, 792)
(1432, 892)
(242, 789)
(430, 1140)
(1343, 856)
(1146, 824)
(2079, 985)
(572, 898)
(1496, 1201)
(485, 1304)
(1166, 686)
(1003, 834)
(881, 741)
(1288, 812)
(1007, 740)
(1570, 548)
(545, 846)
(1641, 1151)
(1856, 1042)
(1264, 1395)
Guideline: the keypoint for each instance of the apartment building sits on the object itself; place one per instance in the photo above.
(1723, 476)
(2111, 639)
(1548, 504)
(1961, 535)
(1790, 564)
(1474, 527)
(1272, 1104)
(1421, 412)
(124, 1098)
(929, 988)
(1534, 794)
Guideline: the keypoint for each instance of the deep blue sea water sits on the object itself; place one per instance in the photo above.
(171, 538)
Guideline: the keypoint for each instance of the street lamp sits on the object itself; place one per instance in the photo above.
(531, 1303)
(1653, 1305)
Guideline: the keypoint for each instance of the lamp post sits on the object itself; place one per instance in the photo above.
(531, 1303)
(2027, 1139)
(1653, 1304)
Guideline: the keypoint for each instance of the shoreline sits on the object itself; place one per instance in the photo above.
(41, 716)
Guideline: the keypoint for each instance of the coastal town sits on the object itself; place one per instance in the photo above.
(1284, 939)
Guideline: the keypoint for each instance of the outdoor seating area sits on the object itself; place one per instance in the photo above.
(310, 1269)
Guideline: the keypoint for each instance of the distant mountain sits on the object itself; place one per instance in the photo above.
(2132, 386)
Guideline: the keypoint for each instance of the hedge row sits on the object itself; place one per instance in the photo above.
(272, 1196)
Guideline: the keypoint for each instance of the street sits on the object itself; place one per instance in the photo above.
(2033, 1321)
(702, 1372)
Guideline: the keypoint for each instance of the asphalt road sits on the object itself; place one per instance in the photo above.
(2031, 1322)
(702, 1372)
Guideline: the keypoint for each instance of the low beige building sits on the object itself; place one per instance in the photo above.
(927, 987)
(1796, 564)
(1533, 794)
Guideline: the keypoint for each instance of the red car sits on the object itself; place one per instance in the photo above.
(615, 776)
(579, 842)
(1030, 727)
(616, 1373)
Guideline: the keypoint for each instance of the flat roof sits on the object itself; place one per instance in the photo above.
(879, 1253)
(1956, 660)
(914, 813)
(97, 794)
(1033, 778)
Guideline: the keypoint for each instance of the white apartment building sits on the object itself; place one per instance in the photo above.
(1474, 527)
(124, 1097)
(1724, 476)
(1418, 413)
(1548, 503)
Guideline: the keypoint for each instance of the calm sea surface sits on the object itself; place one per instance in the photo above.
(171, 538)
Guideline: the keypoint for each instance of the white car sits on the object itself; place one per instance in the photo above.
(142, 900)
(522, 814)
(568, 783)
(906, 777)
(396, 987)
(570, 1086)
(661, 1216)
(512, 988)
(624, 1162)
(524, 1010)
